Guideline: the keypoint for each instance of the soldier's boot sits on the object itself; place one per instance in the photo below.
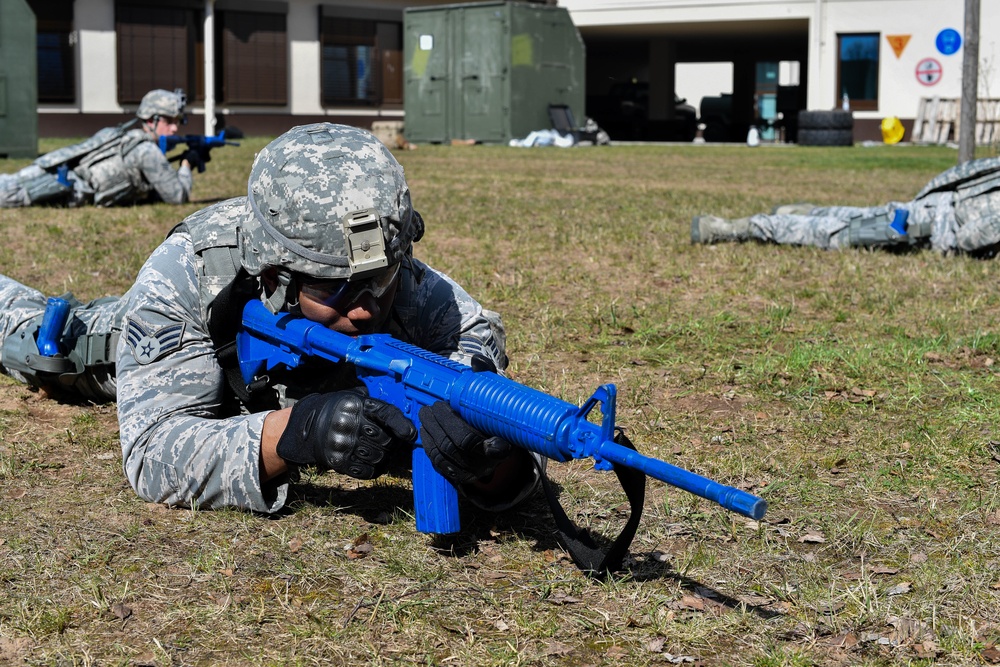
(794, 209)
(710, 229)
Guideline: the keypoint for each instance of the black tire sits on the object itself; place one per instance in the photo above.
(715, 131)
(689, 131)
(835, 119)
(826, 137)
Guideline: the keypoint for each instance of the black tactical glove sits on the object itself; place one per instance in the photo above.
(457, 451)
(195, 158)
(345, 431)
(206, 154)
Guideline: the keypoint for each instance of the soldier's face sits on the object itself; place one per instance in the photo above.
(362, 314)
(166, 126)
(353, 312)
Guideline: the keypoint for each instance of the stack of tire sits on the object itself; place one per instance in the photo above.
(826, 128)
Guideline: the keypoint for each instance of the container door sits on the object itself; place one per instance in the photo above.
(18, 81)
(426, 54)
(481, 73)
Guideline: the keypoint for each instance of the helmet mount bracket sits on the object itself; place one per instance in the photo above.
(365, 242)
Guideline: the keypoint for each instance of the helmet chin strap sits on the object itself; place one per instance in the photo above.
(285, 296)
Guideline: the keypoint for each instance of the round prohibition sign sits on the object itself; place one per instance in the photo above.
(929, 71)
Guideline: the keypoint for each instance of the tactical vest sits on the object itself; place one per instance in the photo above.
(224, 288)
(213, 234)
(100, 162)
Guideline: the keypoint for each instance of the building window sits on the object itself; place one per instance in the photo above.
(56, 57)
(254, 67)
(362, 61)
(857, 70)
(158, 47)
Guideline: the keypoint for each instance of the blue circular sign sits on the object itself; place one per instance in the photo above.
(948, 41)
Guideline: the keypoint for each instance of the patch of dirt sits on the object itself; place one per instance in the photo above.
(963, 358)
(14, 650)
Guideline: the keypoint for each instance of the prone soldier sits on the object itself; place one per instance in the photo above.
(957, 211)
(119, 165)
(326, 231)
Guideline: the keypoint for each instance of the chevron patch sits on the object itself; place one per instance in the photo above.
(472, 346)
(150, 344)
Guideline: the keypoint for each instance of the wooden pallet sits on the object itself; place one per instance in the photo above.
(939, 120)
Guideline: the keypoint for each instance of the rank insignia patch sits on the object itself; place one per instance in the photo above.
(150, 344)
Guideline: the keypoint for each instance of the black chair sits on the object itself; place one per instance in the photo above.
(563, 123)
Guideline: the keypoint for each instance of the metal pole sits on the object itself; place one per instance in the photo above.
(970, 83)
(209, 67)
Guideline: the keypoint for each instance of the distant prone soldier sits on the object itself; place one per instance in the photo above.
(956, 212)
(119, 165)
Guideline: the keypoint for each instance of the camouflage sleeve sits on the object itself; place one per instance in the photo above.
(440, 316)
(173, 186)
(175, 448)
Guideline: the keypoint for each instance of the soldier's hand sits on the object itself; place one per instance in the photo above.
(195, 159)
(457, 451)
(345, 431)
(205, 153)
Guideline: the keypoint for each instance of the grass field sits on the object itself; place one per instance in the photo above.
(856, 391)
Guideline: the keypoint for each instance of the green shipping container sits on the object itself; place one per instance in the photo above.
(488, 72)
(18, 81)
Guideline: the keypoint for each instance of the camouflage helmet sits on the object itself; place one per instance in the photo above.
(327, 201)
(161, 102)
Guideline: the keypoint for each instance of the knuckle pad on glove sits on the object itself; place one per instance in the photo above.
(496, 448)
(358, 471)
(392, 418)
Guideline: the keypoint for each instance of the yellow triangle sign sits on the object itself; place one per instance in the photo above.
(898, 43)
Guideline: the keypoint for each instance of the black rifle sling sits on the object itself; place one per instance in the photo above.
(578, 542)
(224, 322)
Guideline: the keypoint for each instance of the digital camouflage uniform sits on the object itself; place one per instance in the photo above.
(176, 449)
(959, 210)
(179, 445)
(118, 165)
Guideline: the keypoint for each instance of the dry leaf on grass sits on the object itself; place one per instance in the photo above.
(812, 537)
(558, 648)
(560, 598)
(121, 611)
(360, 547)
(655, 645)
(991, 655)
(690, 602)
(926, 650)
(900, 589)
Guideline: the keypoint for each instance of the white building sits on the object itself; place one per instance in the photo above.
(885, 54)
(272, 63)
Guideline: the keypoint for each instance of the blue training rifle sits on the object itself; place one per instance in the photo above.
(201, 143)
(410, 377)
